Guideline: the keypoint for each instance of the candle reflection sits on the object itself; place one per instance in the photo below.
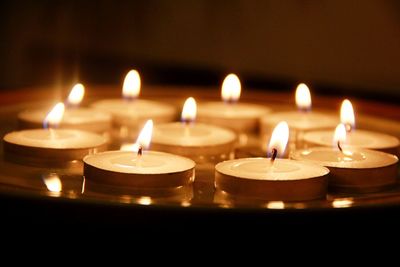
(144, 201)
(53, 183)
(342, 202)
(275, 205)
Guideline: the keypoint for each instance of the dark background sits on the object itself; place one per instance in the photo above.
(338, 47)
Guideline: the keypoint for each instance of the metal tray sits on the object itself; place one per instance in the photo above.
(24, 195)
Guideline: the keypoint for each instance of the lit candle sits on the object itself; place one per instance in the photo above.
(201, 142)
(49, 145)
(132, 112)
(355, 138)
(299, 121)
(271, 178)
(75, 117)
(139, 168)
(229, 113)
(352, 169)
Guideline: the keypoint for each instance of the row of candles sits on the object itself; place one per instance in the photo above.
(353, 163)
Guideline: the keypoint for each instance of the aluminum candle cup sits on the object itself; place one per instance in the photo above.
(353, 170)
(284, 180)
(150, 170)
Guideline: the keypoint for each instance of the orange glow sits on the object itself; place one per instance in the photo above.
(303, 97)
(76, 95)
(231, 88)
(347, 115)
(55, 116)
(279, 138)
(189, 110)
(131, 86)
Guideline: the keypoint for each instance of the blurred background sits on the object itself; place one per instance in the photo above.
(338, 47)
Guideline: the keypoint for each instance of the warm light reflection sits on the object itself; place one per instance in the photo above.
(76, 95)
(279, 138)
(129, 147)
(339, 138)
(52, 182)
(189, 110)
(54, 117)
(131, 86)
(144, 201)
(276, 205)
(342, 202)
(185, 203)
(347, 115)
(231, 88)
(303, 97)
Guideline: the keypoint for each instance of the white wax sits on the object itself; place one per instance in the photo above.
(356, 138)
(133, 113)
(151, 162)
(302, 121)
(352, 158)
(191, 135)
(55, 138)
(74, 118)
(262, 169)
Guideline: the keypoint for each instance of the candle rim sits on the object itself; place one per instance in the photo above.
(88, 160)
(392, 141)
(220, 167)
(367, 163)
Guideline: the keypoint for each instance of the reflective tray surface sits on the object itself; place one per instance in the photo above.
(19, 182)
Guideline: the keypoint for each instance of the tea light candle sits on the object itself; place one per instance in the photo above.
(352, 169)
(132, 112)
(200, 142)
(139, 169)
(74, 117)
(240, 117)
(270, 178)
(301, 121)
(355, 138)
(51, 146)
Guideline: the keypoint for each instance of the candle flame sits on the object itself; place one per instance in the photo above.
(52, 182)
(279, 138)
(54, 117)
(189, 110)
(231, 88)
(303, 97)
(76, 95)
(340, 135)
(131, 86)
(144, 137)
(347, 115)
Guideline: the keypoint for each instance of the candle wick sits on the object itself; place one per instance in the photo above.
(274, 154)
(130, 99)
(140, 151)
(305, 109)
(230, 101)
(339, 146)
